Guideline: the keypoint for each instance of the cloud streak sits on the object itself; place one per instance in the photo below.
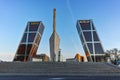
(72, 37)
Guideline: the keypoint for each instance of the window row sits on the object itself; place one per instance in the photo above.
(97, 48)
(87, 26)
(88, 36)
(31, 37)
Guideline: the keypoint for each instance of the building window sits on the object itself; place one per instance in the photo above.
(33, 26)
(88, 36)
(85, 49)
(21, 49)
(31, 37)
(24, 37)
(20, 58)
(98, 48)
(95, 36)
(93, 28)
(29, 46)
(90, 47)
(85, 26)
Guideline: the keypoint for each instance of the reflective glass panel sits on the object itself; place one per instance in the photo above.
(95, 36)
(93, 27)
(24, 37)
(90, 47)
(20, 58)
(85, 49)
(88, 36)
(98, 48)
(29, 46)
(31, 37)
(34, 26)
(21, 49)
(85, 26)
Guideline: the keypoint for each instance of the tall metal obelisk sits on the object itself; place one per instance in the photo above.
(54, 41)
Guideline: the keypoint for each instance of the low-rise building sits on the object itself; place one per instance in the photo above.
(77, 58)
(40, 58)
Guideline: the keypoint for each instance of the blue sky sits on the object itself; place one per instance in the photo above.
(14, 15)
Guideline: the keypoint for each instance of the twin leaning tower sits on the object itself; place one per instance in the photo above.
(32, 35)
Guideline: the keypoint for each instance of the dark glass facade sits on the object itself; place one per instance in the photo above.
(30, 41)
(90, 41)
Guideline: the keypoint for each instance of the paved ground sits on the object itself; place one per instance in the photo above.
(58, 71)
(59, 78)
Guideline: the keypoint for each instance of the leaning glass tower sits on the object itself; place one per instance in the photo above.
(30, 41)
(90, 41)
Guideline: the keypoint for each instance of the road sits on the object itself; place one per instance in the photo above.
(59, 78)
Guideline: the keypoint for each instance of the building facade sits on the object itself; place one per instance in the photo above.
(79, 58)
(40, 58)
(54, 41)
(90, 41)
(30, 41)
